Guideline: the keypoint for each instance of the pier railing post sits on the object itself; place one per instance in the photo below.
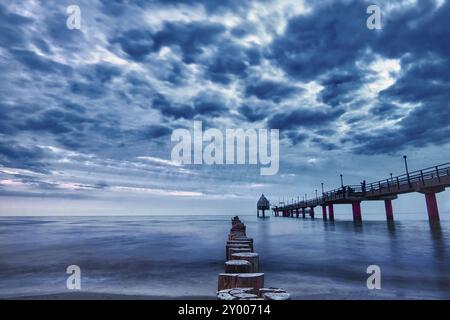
(432, 207)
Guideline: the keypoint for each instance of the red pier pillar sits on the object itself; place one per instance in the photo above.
(432, 207)
(331, 211)
(311, 214)
(356, 206)
(303, 213)
(389, 210)
(324, 212)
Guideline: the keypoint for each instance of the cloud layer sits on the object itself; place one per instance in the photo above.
(88, 113)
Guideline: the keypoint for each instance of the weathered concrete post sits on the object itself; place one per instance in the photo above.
(356, 207)
(389, 210)
(432, 207)
(331, 212)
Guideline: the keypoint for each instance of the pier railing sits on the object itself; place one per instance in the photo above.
(393, 185)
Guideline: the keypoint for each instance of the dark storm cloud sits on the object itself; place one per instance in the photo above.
(136, 43)
(339, 87)
(57, 121)
(253, 113)
(296, 137)
(119, 7)
(191, 38)
(171, 110)
(418, 31)
(423, 126)
(87, 89)
(324, 144)
(210, 104)
(386, 111)
(101, 72)
(230, 60)
(305, 117)
(414, 35)
(38, 63)
(425, 81)
(154, 132)
(330, 38)
(94, 79)
(11, 24)
(271, 90)
(15, 155)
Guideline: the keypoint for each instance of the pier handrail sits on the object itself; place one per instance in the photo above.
(391, 183)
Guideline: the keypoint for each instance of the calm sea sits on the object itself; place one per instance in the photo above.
(180, 256)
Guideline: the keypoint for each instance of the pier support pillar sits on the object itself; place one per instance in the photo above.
(389, 210)
(432, 207)
(311, 213)
(356, 206)
(331, 212)
(303, 213)
(292, 213)
(296, 213)
(264, 213)
(324, 212)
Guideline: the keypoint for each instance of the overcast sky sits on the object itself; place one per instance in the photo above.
(86, 115)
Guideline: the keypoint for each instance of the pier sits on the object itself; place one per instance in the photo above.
(428, 181)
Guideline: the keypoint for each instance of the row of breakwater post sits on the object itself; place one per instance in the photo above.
(242, 279)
